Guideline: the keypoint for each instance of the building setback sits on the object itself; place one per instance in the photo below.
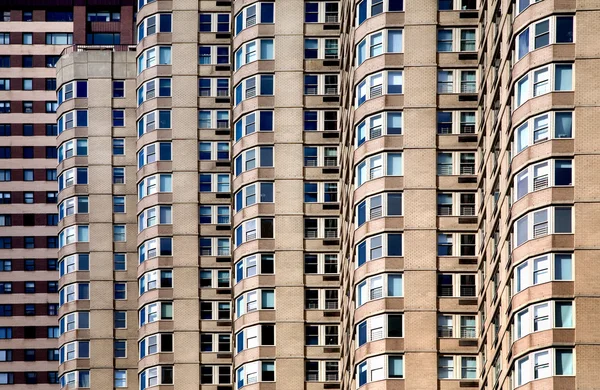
(377, 194)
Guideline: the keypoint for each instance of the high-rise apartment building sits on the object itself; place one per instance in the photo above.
(32, 37)
(302, 194)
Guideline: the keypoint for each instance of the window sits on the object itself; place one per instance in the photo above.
(542, 83)
(456, 285)
(552, 125)
(253, 14)
(384, 41)
(72, 148)
(162, 246)
(120, 319)
(542, 269)
(543, 316)
(375, 85)
(375, 126)
(146, 60)
(156, 343)
(543, 364)
(214, 246)
(27, 38)
(59, 39)
(119, 233)
(379, 286)
(73, 205)
(153, 24)
(317, 192)
(321, 335)
(154, 120)
(254, 300)
(213, 119)
(379, 367)
(457, 163)
(71, 119)
(543, 175)
(370, 8)
(73, 234)
(378, 246)
(157, 375)
(118, 147)
(252, 122)
(322, 263)
(160, 151)
(321, 12)
(213, 55)
(214, 278)
(162, 310)
(457, 326)
(259, 157)
(319, 228)
(154, 88)
(456, 122)
(253, 229)
(120, 349)
(118, 176)
(103, 16)
(259, 85)
(72, 321)
(156, 183)
(465, 244)
(120, 378)
(551, 220)
(250, 266)
(373, 167)
(214, 182)
(74, 291)
(210, 22)
(255, 336)
(553, 30)
(386, 204)
(321, 48)
(379, 327)
(321, 299)
(260, 49)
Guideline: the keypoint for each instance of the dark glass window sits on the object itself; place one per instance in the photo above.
(103, 39)
(50, 84)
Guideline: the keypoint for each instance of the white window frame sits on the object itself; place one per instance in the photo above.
(245, 195)
(369, 165)
(250, 266)
(252, 298)
(367, 44)
(370, 126)
(152, 184)
(371, 284)
(524, 272)
(529, 33)
(151, 121)
(144, 60)
(152, 248)
(374, 89)
(529, 79)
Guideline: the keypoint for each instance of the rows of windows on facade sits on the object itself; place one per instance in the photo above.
(92, 38)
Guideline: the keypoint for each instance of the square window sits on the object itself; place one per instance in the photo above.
(27, 84)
